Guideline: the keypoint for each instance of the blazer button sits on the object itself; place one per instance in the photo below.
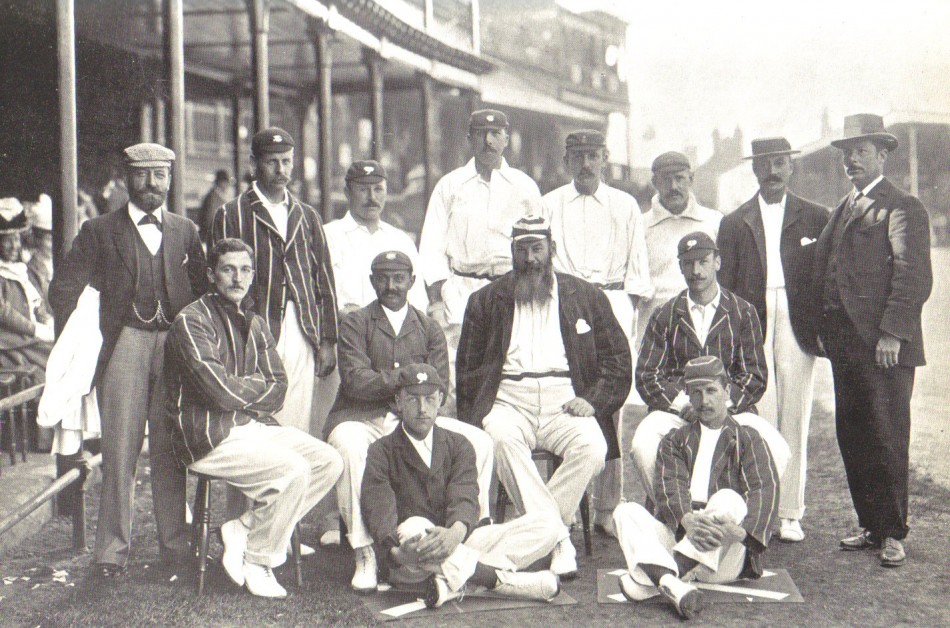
(395, 365)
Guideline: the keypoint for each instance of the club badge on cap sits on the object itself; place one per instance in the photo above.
(695, 245)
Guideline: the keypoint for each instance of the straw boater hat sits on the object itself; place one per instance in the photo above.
(865, 126)
(12, 217)
(771, 147)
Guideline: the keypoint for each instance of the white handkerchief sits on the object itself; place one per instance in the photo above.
(581, 326)
(806, 241)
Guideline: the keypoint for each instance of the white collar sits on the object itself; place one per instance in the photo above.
(285, 203)
(661, 213)
(503, 170)
(350, 223)
(137, 214)
(870, 186)
(714, 303)
(397, 318)
(764, 203)
(599, 195)
(423, 446)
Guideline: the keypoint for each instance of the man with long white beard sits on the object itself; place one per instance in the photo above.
(543, 364)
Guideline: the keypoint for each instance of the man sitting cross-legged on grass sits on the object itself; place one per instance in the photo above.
(420, 503)
(716, 501)
(225, 381)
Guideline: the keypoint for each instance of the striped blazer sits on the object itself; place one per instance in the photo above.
(741, 462)
(221, 370)
(298, 268)
(735, 337)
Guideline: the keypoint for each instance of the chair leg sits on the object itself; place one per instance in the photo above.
(295, 551)
(585, 520)
(24, 424)
(205, 532)
(11, 415)
(197, 515)
(501, 502)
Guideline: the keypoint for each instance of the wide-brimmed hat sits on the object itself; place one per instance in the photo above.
(12, 217)
(771, 147)
(865, 126)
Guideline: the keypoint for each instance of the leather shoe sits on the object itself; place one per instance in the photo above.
(108, 570)
(892, 553)
(864, 540)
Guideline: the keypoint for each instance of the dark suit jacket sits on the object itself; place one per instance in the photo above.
(397, 485)
(670, 341)
(104, 256)
(370, 353)
(599, 358)
(742, 247)
(741, 462)
(884, 274)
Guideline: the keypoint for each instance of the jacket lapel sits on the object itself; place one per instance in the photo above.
(793, 211)
(409, 453)
(294, 220)
(721, 454)
(753, 218)
(173, 245)
(123, 238)
(682, 319)
(721, 315)
(381, 321)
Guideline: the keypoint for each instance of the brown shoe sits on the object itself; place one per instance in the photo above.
(892, 553)
(865, 540)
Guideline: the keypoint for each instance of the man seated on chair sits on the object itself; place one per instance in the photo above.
(543, 364)
(420, 503)
(374, 342)
(705, 319)
(225, 381)
(716, 501)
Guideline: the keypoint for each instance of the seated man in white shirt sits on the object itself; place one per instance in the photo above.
(716, 501)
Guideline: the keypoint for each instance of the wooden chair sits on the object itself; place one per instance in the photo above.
(552, 462)
(201, 531)
(12, 381)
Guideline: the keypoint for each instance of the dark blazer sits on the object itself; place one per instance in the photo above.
(397, 485)
(370, 353)
(104, 256)
(742, 248)
(598, 358)
(670, 341)
(884, 274)
(741, 462)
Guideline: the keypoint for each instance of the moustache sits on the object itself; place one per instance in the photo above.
(773, 179)
(372, 206)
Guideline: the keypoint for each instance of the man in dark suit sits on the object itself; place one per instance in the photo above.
(872, 267)
(767, 247)
(147, 264)
(543, 364)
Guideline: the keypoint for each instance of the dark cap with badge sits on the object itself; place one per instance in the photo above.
(421, 379)
(695, 245)
(365, 171)
(704, 369)
(670, 161)
(391, 260)
(271, 140)
(585, 139)
(487, 119)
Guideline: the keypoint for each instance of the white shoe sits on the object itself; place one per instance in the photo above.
(260, 581)
(688, 599)
(564, 560)
(330, 537)
(234, 538)
(791, 531)
(438, 592)
(634, 591)
(364, 578)
(528, 585)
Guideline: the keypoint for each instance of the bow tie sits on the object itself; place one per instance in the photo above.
(150, 219)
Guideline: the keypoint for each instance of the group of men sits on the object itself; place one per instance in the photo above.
(549, 309)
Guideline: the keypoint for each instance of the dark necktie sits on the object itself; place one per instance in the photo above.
(150, 219)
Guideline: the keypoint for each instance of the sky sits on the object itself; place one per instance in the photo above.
(772, 68)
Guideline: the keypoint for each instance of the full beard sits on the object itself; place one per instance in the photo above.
(533, 285)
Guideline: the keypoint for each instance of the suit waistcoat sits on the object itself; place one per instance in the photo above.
(150, 288)
(831, 297)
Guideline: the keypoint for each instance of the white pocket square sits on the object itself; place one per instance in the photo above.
(581, 326)
(806, 241)
(185, 261)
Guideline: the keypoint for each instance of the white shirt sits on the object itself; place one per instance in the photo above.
(536, 343)
(702, 315)
(278, 211)
(352, 249)
(600, 237)
(870, 186)
(423, 447)
(396, 317)
(702, 465)
(773, 215)
(150, 234)
(468, 221)
(663, 233)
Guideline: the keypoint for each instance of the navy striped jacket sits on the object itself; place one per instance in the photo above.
(221, 370)
(297, 269)
(735, 337)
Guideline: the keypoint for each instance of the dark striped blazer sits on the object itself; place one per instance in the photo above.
(297, 269)
(741, 462)
(221, 370)
(670, 341)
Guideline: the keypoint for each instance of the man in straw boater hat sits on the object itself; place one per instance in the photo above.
(716, 501)
(767, 247)
(147, 264)
(872, 268)
(544, 364)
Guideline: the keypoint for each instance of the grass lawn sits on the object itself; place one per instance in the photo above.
(840, 588)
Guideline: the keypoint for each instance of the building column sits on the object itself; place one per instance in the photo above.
(259, 22)
(64, 221)
(320, 36)
(236, 93)
(301, 144)
(173, 51)
(913, 164)
(427, 89)
(474, 99)
(374, 67)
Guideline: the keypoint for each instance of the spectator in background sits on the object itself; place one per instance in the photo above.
(41, 261)
(115, 194)
(85, 207)
(218, 195)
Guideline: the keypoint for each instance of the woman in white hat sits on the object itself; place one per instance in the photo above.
(41, 259)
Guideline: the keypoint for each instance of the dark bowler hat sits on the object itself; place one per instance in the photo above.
(770, 147)
(531, 227)
(487, 119)
(365, 171)
(702, 370)
(271, 140)
(670, 161)
(695, 245)
(148, 155)
(585, 139)
(865, 126)
(419, 378)
(391, 260)
(12, 217)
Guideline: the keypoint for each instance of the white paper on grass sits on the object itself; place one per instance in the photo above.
(403, 609)
(772, 595)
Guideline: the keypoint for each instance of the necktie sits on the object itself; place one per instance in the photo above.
(150, 219)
